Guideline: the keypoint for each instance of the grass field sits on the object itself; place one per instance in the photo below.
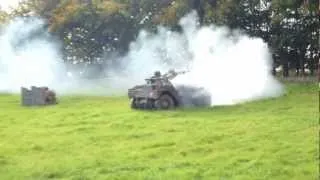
(101, 138)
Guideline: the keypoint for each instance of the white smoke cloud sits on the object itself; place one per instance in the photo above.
(27, 60)
(232, 68)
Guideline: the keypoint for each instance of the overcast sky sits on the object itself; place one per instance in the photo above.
(5, 4)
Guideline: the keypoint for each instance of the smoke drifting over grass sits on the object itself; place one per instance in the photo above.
(231, 66)
(28, 56)
(228, 64)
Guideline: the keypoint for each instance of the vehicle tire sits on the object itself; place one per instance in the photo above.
(150, 104)
(164, 102)
(134, 104)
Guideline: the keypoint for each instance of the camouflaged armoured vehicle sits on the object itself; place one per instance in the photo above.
(157, 93)
(37, 96)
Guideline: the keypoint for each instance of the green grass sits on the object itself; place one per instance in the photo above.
(101, 138)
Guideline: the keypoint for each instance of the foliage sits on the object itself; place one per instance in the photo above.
(101, 138)
(3, 17)
(90, 29)
(171, 15)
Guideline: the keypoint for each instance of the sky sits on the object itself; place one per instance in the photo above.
(6, 4)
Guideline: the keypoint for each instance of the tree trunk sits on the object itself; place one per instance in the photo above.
(312, 66)
(274, 72)
(198, 6)
(318, 71)
(285, 70)
(285, 63)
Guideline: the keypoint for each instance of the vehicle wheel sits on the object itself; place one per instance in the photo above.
(164, 102)
(149, 104)
(134, 103)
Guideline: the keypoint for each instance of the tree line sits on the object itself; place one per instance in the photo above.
(90, 28)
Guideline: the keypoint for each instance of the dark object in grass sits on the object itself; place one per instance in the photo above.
(37, 96)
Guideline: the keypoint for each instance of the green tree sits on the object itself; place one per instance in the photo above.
(93, 28)
(4, 16)
(295, 25)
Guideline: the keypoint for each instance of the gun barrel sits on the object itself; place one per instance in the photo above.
(182, 72)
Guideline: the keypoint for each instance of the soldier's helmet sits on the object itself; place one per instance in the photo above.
(157, 74)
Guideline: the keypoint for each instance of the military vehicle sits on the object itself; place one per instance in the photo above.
(37, 96)
(159, 93)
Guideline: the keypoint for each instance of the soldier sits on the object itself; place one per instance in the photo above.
(156, 78)
(157, 74)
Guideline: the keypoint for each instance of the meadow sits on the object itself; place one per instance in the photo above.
(88, 137)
